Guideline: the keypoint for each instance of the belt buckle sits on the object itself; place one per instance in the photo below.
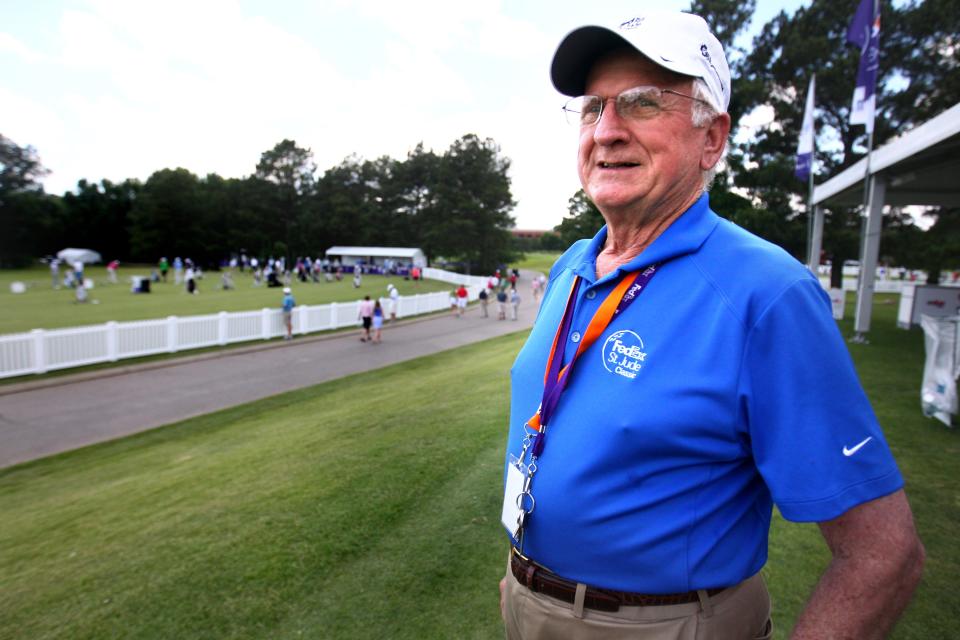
(517, 553)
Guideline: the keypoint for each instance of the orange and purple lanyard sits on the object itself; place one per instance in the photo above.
(557, 376)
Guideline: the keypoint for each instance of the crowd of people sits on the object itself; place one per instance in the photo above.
(504, 291)
(501, 287)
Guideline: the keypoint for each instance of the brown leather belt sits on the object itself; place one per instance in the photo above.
(538, 579)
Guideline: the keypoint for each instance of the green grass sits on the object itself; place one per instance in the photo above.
(367, 507)
(539, 261)
(350, 509)
(42, 307)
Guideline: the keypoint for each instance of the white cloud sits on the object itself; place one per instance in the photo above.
(29, 122)
(132, 87)
(10, 44)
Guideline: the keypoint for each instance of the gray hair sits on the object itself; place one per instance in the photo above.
(703, 114)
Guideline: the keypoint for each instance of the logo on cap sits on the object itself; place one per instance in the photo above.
(705, 53)
(632, 23)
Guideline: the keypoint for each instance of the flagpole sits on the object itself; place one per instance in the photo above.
(811, 259)
(859, 335)
(866, 175)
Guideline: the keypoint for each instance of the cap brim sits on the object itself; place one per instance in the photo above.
(576, 54)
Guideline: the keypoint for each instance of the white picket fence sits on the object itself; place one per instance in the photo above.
(42, 350)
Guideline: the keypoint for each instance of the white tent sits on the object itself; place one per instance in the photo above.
(919, 167)
(87, 256)
(377, 255)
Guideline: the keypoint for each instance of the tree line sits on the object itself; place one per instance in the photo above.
(457, 204)
(454, 205)
(918, 79)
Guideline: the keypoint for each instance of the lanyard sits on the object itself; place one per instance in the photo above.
(557, 376)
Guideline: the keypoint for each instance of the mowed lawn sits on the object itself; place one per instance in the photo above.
(42, 307)
(539, 261)
(368, 507)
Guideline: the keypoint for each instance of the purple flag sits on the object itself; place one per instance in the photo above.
(864, 31)
(805, 146)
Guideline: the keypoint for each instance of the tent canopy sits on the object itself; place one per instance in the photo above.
(376, 255)
(916, 168)
(920, 167)
(87, 256)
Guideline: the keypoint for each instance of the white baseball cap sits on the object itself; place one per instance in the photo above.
(679, 42)
(286, 289)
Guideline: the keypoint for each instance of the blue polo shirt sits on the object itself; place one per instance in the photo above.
(724, 388)
(288, 302)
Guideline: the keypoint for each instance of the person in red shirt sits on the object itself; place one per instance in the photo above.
(461, 300)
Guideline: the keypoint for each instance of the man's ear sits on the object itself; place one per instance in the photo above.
(715, 141)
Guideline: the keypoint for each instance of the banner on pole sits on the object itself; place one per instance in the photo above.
(864, 31)
(806, 145)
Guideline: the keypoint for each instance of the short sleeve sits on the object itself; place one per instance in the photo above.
(813, 434)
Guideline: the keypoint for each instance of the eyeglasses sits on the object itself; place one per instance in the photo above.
(639, 103)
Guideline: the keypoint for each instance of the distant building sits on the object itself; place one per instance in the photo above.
(377, 256)
(531, 234)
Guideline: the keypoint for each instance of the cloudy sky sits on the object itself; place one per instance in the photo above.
(121, 88)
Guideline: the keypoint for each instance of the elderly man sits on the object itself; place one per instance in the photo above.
(683, 376)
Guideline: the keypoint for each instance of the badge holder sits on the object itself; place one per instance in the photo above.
(518, 501)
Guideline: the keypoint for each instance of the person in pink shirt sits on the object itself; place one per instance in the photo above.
(112, 267)
(366, 316)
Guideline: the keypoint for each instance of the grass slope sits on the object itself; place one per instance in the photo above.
(42, 307)
(539, 261)
(366, 507)
(351, 509)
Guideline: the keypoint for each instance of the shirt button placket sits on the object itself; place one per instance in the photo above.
(575, 336)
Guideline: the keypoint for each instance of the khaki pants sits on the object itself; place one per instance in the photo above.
(739, 613)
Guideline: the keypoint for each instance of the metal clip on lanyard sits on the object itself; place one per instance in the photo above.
(556, 376)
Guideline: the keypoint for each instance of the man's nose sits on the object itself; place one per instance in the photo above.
(611, 127)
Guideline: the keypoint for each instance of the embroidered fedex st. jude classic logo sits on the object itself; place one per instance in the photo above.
(623, 354)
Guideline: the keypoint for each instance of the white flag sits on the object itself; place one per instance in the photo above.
(805, 146)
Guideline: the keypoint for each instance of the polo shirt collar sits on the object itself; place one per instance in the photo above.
(685, 235)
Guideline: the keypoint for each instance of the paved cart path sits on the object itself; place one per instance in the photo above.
(45, 417)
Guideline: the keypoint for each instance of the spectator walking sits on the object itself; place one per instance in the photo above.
(394, 301)
(514, 303)
(78, 272)
(112, 267)
(164, 266)
(366, 317)
(80, 292)
(55, 272)
(501, 305)
(377, 322)
(288, 304)
(535, 288)
(462, 296)
(484, 303)
(177, 270)
(191, 278)
(357, 278)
